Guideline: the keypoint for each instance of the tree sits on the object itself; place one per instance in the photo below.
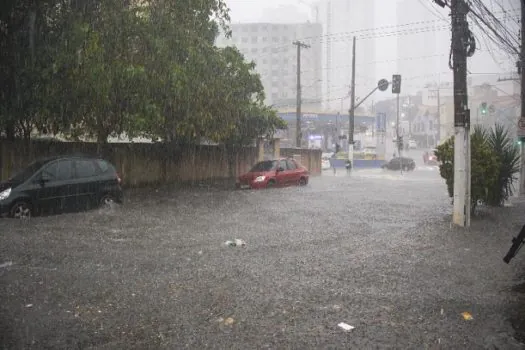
(484, 166)
(179, 60)
(508, 155)
(26, 51)
(240, 116)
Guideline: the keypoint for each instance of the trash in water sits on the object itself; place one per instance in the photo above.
(345, 326)
(29, 305)
(229, 321)
(442, 311)
(236, 243)
(467, 316)
(6, 264)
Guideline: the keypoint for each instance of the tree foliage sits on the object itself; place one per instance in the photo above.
(494, 163)
(98, 68)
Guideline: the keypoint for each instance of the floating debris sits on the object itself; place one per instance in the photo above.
(236, 243)
(467, 316)
(6, 264)
(346, 327)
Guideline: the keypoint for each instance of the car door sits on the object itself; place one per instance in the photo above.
(55, 191)
(86, 183)
(395, 164)
(294, 171)
(282, 176)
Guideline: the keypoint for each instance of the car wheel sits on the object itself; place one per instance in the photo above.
(107, 201)
(21, 210)
(271, 184)
(303, 182)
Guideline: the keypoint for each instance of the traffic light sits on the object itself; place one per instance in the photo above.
(396, 84)
(483, 108)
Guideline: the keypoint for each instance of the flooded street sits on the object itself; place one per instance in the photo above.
(374, 250)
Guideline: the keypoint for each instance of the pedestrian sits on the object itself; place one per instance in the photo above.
(425, 157)
(332, 161)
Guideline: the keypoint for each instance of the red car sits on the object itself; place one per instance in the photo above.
(274, 173)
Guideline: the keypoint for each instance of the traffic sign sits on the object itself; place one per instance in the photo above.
(382, 84)
(521, 127)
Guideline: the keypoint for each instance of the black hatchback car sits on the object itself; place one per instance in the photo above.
(400, 163)
(60, 184)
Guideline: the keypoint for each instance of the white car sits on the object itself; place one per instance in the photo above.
(412, 144)
(325, 164)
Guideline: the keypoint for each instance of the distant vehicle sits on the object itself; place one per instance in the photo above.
(400, 163)
(60, 184)
(432, 158)
(412, 144)
(274, 173)
(325, 163)
(370, 153)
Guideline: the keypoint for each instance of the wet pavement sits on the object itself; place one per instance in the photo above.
(374, 250)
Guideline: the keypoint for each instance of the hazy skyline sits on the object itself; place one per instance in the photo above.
(487, 59)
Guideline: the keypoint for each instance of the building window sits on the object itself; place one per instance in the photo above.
(430, 125)
(244, 40)
(254, 50)
(265, 39)
(254, 28)
(265, 61)
(265, 49)
(275, 61)
(275, 39)
(275, 97)
(254, 40)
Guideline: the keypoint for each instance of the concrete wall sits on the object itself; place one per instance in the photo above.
(147, 164)
(310, 158)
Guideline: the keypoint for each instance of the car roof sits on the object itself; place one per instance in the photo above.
(65, 156)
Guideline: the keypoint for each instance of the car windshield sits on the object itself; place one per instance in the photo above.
(263, 166)
(26, 173)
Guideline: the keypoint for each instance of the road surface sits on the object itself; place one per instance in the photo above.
(374, 250)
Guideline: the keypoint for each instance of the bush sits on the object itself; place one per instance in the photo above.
(508, 155)
(485, 166)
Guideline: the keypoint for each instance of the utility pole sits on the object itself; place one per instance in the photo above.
(351, 114)
(396, 89)
(461, 214)
(438, 135)
(521, 66)
(299, 134)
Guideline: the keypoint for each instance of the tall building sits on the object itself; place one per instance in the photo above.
(271, 47)
(342, 20)
(423, 44)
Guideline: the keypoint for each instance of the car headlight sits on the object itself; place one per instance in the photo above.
(4, 194)
(259, 179)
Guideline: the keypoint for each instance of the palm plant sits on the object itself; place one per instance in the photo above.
(508, 158)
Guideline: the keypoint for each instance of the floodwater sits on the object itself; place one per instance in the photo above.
(374, 250)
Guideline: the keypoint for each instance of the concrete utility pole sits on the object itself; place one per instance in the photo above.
(351, 112)
(461, 214)
(521, 123)
(299, 134)
(438, 134)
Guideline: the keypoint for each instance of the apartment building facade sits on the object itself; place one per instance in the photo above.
(270, 46)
